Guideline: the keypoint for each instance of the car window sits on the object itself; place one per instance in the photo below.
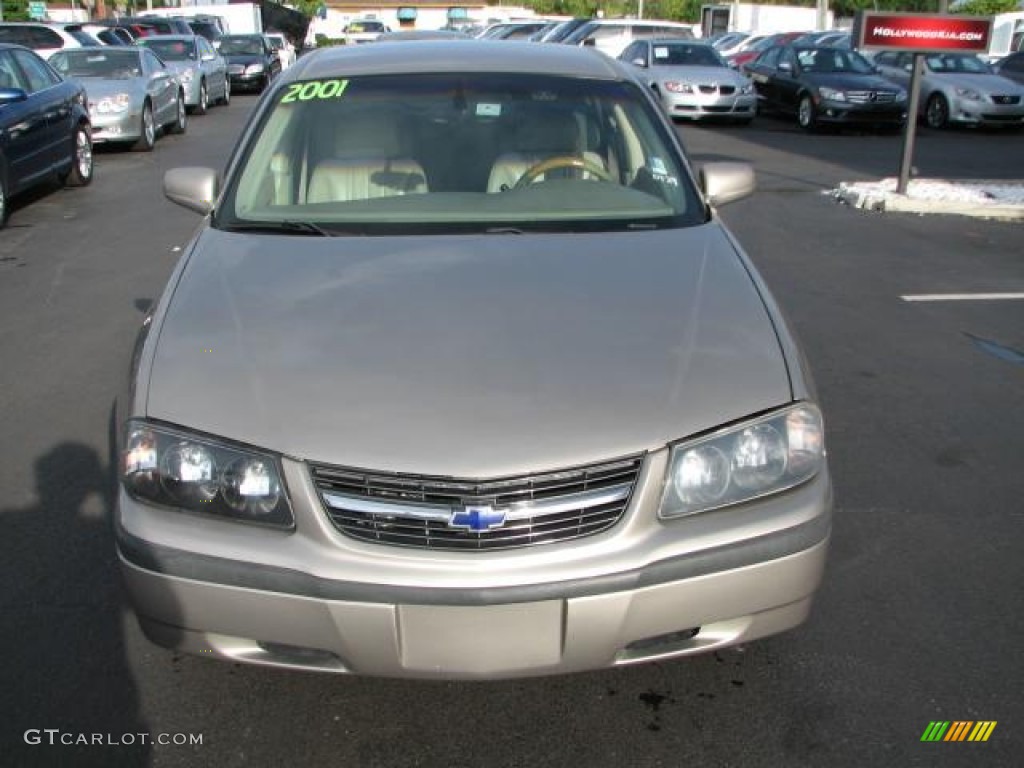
(832, 60)
(607, 31)
(769, 58)
(80, 35)
(116, 64)
(456, 152)
(245, 46)
(956, 62)
(37, 74)
(10, 75)
(1013, 63)
(684, 55)
(171, 50)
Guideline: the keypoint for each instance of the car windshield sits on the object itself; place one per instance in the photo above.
(108, 63)
(832, 60)
(491, 152)
(245, 46)
(683, 55)
(957, 62)
(171, 50)
(365, 26)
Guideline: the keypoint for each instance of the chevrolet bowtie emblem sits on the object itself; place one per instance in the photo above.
(477, 518)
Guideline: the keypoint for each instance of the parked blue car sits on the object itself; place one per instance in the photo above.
(45, 132)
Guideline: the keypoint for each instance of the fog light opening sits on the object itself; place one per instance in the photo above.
(661, 643)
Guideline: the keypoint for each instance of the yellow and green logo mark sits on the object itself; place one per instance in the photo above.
(958, 730)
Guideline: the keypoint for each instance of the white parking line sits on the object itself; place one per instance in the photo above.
(963, 297)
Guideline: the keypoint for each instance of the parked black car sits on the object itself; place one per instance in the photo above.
(826, 85)
(44, 126)
(252, 61)
(1012, 67)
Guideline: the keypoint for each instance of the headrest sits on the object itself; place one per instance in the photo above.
(548, 130)
(368, 133)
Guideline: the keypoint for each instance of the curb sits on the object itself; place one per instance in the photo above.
(880, 201)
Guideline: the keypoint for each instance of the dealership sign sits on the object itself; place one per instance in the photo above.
(921, 32)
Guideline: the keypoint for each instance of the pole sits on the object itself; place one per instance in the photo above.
(906, 159)
(822, 15)
(640, 9)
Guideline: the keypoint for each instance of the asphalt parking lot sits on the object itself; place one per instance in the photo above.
(921, 610)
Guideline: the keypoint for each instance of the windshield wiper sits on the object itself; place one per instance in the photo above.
(284, 228)
(503, 231)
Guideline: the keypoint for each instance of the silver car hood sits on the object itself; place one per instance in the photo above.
(97, 88)
(470, 356)
(983, 83)
(700, 74)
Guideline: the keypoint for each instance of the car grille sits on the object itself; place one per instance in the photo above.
(235, 69)
(725, 90)
(1006, 99)
(472, 515)
(867, 97)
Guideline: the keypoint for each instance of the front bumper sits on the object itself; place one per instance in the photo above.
(113, 127)
(245, 80)
(843, 112)
(698, 105)
(315, 599)
(971, 112)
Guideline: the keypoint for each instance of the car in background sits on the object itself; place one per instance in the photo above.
(563, 29)
(133, 95)
(614, 457)
(692, 80)
(207, 27)
(726, 41)
(1011, 67)
(364, 30)
(252, 61)
(746, 43)
(611, 36)
(201, 70)
(110, 35)
(405, 35)
(747, 54)
(826, 85)
(44, 127)
(166, 25)
(283, 48)
(512, 30)
(958, 88)
(45, 39)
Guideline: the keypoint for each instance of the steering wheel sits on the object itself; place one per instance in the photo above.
(562, 161)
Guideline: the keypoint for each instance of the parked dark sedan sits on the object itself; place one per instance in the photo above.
(1012, 67)
(44, 126)
(252, 61)
(826, 85)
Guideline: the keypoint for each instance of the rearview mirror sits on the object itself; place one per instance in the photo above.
(193, 188)
(725, 182)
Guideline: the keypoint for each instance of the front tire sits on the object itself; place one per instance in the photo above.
(82, 166)
(3, 200)
(807, 114)
(204, 99)
(936, 112)
(226, 98)
(147, 131)
(180, 124)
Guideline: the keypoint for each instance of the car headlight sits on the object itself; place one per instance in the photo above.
(187, 75)
(831, 94)
(254, 69)
(968, 93)
(675, 87)
(753, 459)
(119, 102)
(901, 95)
(175, 468)
(746, 89)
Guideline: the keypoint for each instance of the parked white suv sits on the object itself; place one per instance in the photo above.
(45, 39)
(611, 36)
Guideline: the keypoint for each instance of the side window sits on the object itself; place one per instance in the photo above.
(37, 73)
(786, 56)
(769, 58)
(631, 53)
(10, 75)
(1014, 64)
(41, 37)
(153, 64)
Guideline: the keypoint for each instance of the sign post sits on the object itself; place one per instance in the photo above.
(920, 34)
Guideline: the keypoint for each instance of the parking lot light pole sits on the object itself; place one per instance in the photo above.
(911, 128)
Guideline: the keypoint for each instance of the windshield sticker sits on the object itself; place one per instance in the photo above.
(658, 166)
(315, 89)
(661, 53)
(488, 110)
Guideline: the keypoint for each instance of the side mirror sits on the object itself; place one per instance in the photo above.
(193, 188)
(725, 182)
(785, 66)
(209, 57)
(12, 95)
(639, 63)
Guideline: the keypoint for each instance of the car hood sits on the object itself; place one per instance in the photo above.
(97, 88)
(471, 356)
(700, 74)
(243, 58)
(983, 83)
(845, 81)
(180, 66)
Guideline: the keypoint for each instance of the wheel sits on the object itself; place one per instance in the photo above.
(936, 112)
(204, 99)
(80, 174)
(226, 98)
(147, 131)
(180, 124)
(806, 113)
(561, 161)
(3, 200)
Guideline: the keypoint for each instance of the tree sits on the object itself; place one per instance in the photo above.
(986, 7)
(15, 10)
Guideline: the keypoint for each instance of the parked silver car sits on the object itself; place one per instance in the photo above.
(203, 72)
(692, 79)
(958, 88)
(132, 93)
(463, 377)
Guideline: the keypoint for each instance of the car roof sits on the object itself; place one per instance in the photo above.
(416, 56)
(183, 38)
(668, 40)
